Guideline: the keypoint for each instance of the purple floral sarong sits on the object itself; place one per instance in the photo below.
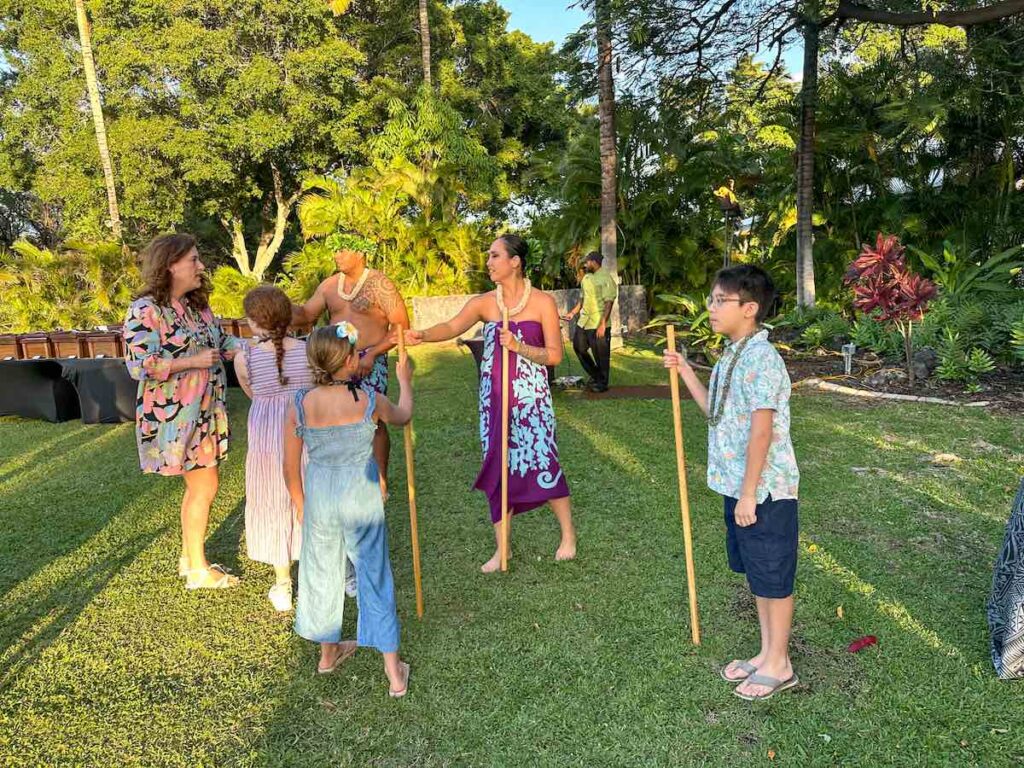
(535, 476)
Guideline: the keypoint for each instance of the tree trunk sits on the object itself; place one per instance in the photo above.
(270, 242)
(92, 86)
(233, 224)
(805, 171)
(606, 114)
(425, 42)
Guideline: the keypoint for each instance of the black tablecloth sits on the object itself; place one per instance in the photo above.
(106, 393)
(37, 389)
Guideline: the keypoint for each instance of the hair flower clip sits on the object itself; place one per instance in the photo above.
(345, 330)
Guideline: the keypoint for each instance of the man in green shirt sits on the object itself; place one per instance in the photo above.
(592, 340)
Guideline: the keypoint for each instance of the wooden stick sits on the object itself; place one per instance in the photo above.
(410, 473)
(504, 449)
(684, 496)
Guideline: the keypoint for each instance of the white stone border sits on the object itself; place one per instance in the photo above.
(829, 387)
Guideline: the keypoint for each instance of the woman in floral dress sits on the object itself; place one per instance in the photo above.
(534, 340)
(175, 349)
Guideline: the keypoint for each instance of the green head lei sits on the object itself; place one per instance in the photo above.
(346, 241)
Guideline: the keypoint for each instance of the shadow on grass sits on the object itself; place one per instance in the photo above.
(55, 516)
(225, 543)
(40, 618)
(11, 466)
(68, 462)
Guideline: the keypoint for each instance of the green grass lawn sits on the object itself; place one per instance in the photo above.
(105, 660)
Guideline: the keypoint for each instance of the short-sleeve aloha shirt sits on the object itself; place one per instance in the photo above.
(759, 381)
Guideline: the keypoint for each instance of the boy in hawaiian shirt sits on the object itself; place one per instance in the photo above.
(751, 463)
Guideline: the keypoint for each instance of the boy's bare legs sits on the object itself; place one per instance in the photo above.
(737, 675)
(775, 662)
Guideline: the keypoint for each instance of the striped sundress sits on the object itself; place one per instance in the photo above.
(272, 534)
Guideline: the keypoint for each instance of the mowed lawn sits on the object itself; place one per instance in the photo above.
(106, 661)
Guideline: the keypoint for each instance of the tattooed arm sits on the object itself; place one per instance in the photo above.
(381, 292)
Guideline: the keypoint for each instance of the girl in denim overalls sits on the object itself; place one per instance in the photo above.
(340, 504)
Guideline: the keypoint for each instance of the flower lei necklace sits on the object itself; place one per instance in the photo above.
(499, 296)
(349, 295)
(716, 405)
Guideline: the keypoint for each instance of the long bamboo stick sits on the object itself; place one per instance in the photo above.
(684, 496)
(410, 473)
(504, 449)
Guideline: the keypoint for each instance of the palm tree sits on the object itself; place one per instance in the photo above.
(606, 115)
(85, 35)
(425, 41)
(805, 169)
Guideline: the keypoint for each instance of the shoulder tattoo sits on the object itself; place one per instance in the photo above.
(379, 292)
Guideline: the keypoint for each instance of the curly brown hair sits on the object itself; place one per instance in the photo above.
(270, 309)
(327, 353)
(157, 257)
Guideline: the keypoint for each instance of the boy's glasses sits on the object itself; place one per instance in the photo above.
(716, 302)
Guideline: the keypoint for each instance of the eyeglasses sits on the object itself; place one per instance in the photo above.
(716, 302)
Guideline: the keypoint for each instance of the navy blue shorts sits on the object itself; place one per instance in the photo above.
(766, 550)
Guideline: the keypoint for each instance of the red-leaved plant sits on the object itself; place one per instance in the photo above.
(883, 283)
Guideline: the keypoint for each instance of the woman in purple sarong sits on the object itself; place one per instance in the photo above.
(534, 340)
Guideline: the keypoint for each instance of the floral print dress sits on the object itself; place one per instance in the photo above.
(535, 475)
(181, 419)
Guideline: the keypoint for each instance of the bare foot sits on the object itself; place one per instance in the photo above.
(566, 550)
(493, 564)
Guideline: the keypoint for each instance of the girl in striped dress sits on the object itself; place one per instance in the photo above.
(271, 370)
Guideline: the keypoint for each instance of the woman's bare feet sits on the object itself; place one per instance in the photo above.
(333, 654)
(493, 564)
(567, 549)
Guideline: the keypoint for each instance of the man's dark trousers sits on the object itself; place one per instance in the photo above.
(595, 354)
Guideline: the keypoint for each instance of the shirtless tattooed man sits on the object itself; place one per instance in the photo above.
(371, 302)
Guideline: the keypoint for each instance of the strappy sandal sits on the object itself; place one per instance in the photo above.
(399, 694)
(224, 581)
(348, 648)
(737, 664)
(772, 683)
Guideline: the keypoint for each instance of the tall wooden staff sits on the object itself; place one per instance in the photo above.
(410, 473)
(504, 448)
(684, 496)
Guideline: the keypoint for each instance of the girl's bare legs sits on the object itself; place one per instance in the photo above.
(398, 678)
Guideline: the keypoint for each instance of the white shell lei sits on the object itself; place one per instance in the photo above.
(499, 296)
(356, 288)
